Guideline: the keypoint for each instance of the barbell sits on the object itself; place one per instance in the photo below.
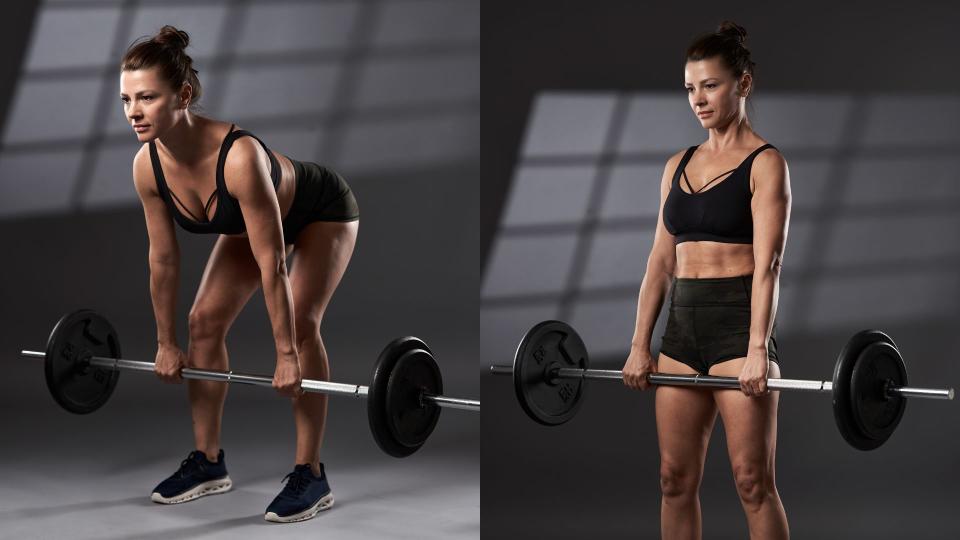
(83, 362)
(869, 385)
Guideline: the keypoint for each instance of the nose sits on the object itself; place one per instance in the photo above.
(133, 112)
(698, 98)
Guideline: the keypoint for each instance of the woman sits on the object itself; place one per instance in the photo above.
(212, 178)
(719, 242)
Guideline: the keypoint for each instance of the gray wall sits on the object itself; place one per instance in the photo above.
(385, 92)
(589, 105)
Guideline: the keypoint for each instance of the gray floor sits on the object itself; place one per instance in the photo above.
(67, 476)
(596, 476)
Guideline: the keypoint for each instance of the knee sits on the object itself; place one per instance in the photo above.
(203, 325)
(307, 328)
(677, 480)
(754, 483)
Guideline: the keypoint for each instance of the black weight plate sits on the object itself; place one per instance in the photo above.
(74, 384)
(377, 413)
(876, 413)
(842, 377)
(546, 347)
(412, 420)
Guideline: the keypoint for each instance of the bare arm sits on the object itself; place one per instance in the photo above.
(661, 266)
(247, 173)
(771, 219)
(164, 254)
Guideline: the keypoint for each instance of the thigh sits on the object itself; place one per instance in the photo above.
(321, 254)
(229, 279)
(750, 423)
(685, 418)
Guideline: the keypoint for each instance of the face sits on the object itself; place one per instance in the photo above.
(715, 95)
(149, 103)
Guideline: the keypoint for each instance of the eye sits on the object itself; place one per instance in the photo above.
(712, 85)
(147, 98)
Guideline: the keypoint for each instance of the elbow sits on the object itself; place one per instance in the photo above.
(661, 267)
(272, 266)
(773, 266)
(163, 259)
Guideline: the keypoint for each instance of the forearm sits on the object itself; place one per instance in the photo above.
(763, 305)
(653, 291)
(279, 300)
(164, 280)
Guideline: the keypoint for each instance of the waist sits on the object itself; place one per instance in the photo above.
(697, 292)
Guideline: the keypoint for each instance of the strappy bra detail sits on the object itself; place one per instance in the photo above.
(227, 218)
(719, 214)
(689, 185)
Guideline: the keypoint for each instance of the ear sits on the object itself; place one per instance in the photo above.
(185, 95)
(746, 84)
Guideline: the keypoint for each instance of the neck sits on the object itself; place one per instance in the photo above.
(735, 134)
(184, 141)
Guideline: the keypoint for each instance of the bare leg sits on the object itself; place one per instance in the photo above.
(685, 418)
(230, 278)
(323, 250)
(751, 427)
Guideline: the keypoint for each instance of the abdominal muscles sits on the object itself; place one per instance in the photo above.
(713, 259)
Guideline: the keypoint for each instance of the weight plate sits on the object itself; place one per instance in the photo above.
(77, 386)
(377, 398)
(548, 346)
(876, 413)
(843, 413)
(412, 420)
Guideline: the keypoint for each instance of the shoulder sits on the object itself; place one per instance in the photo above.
(142, 158)
(143, 169)
(674, 161)
(245, 156)
(246, 169)
(769, 161)
(769, 172)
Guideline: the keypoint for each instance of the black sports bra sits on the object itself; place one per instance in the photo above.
(720, 214)
(227, 218)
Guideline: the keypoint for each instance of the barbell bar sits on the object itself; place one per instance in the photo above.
(869, 385)
(83, 364)
(307, 385)
(712, 381)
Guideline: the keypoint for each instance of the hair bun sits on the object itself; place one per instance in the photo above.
(170, 36)
(732, 30)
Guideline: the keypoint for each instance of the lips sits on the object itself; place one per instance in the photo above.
(140, 127)
(704, 113)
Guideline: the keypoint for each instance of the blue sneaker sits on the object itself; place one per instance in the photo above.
(197, 477)
(302, 498)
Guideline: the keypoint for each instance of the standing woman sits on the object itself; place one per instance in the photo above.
(212, 178)
(725, 209)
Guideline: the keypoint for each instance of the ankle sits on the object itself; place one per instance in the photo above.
(315, 467)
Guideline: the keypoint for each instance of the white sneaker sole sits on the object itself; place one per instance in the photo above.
(210, 487)
(324, 503)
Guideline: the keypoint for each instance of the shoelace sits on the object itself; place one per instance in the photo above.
(296, 486)
(188, 466)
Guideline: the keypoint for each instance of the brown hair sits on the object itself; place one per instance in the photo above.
(165, 51)
(727, 43)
